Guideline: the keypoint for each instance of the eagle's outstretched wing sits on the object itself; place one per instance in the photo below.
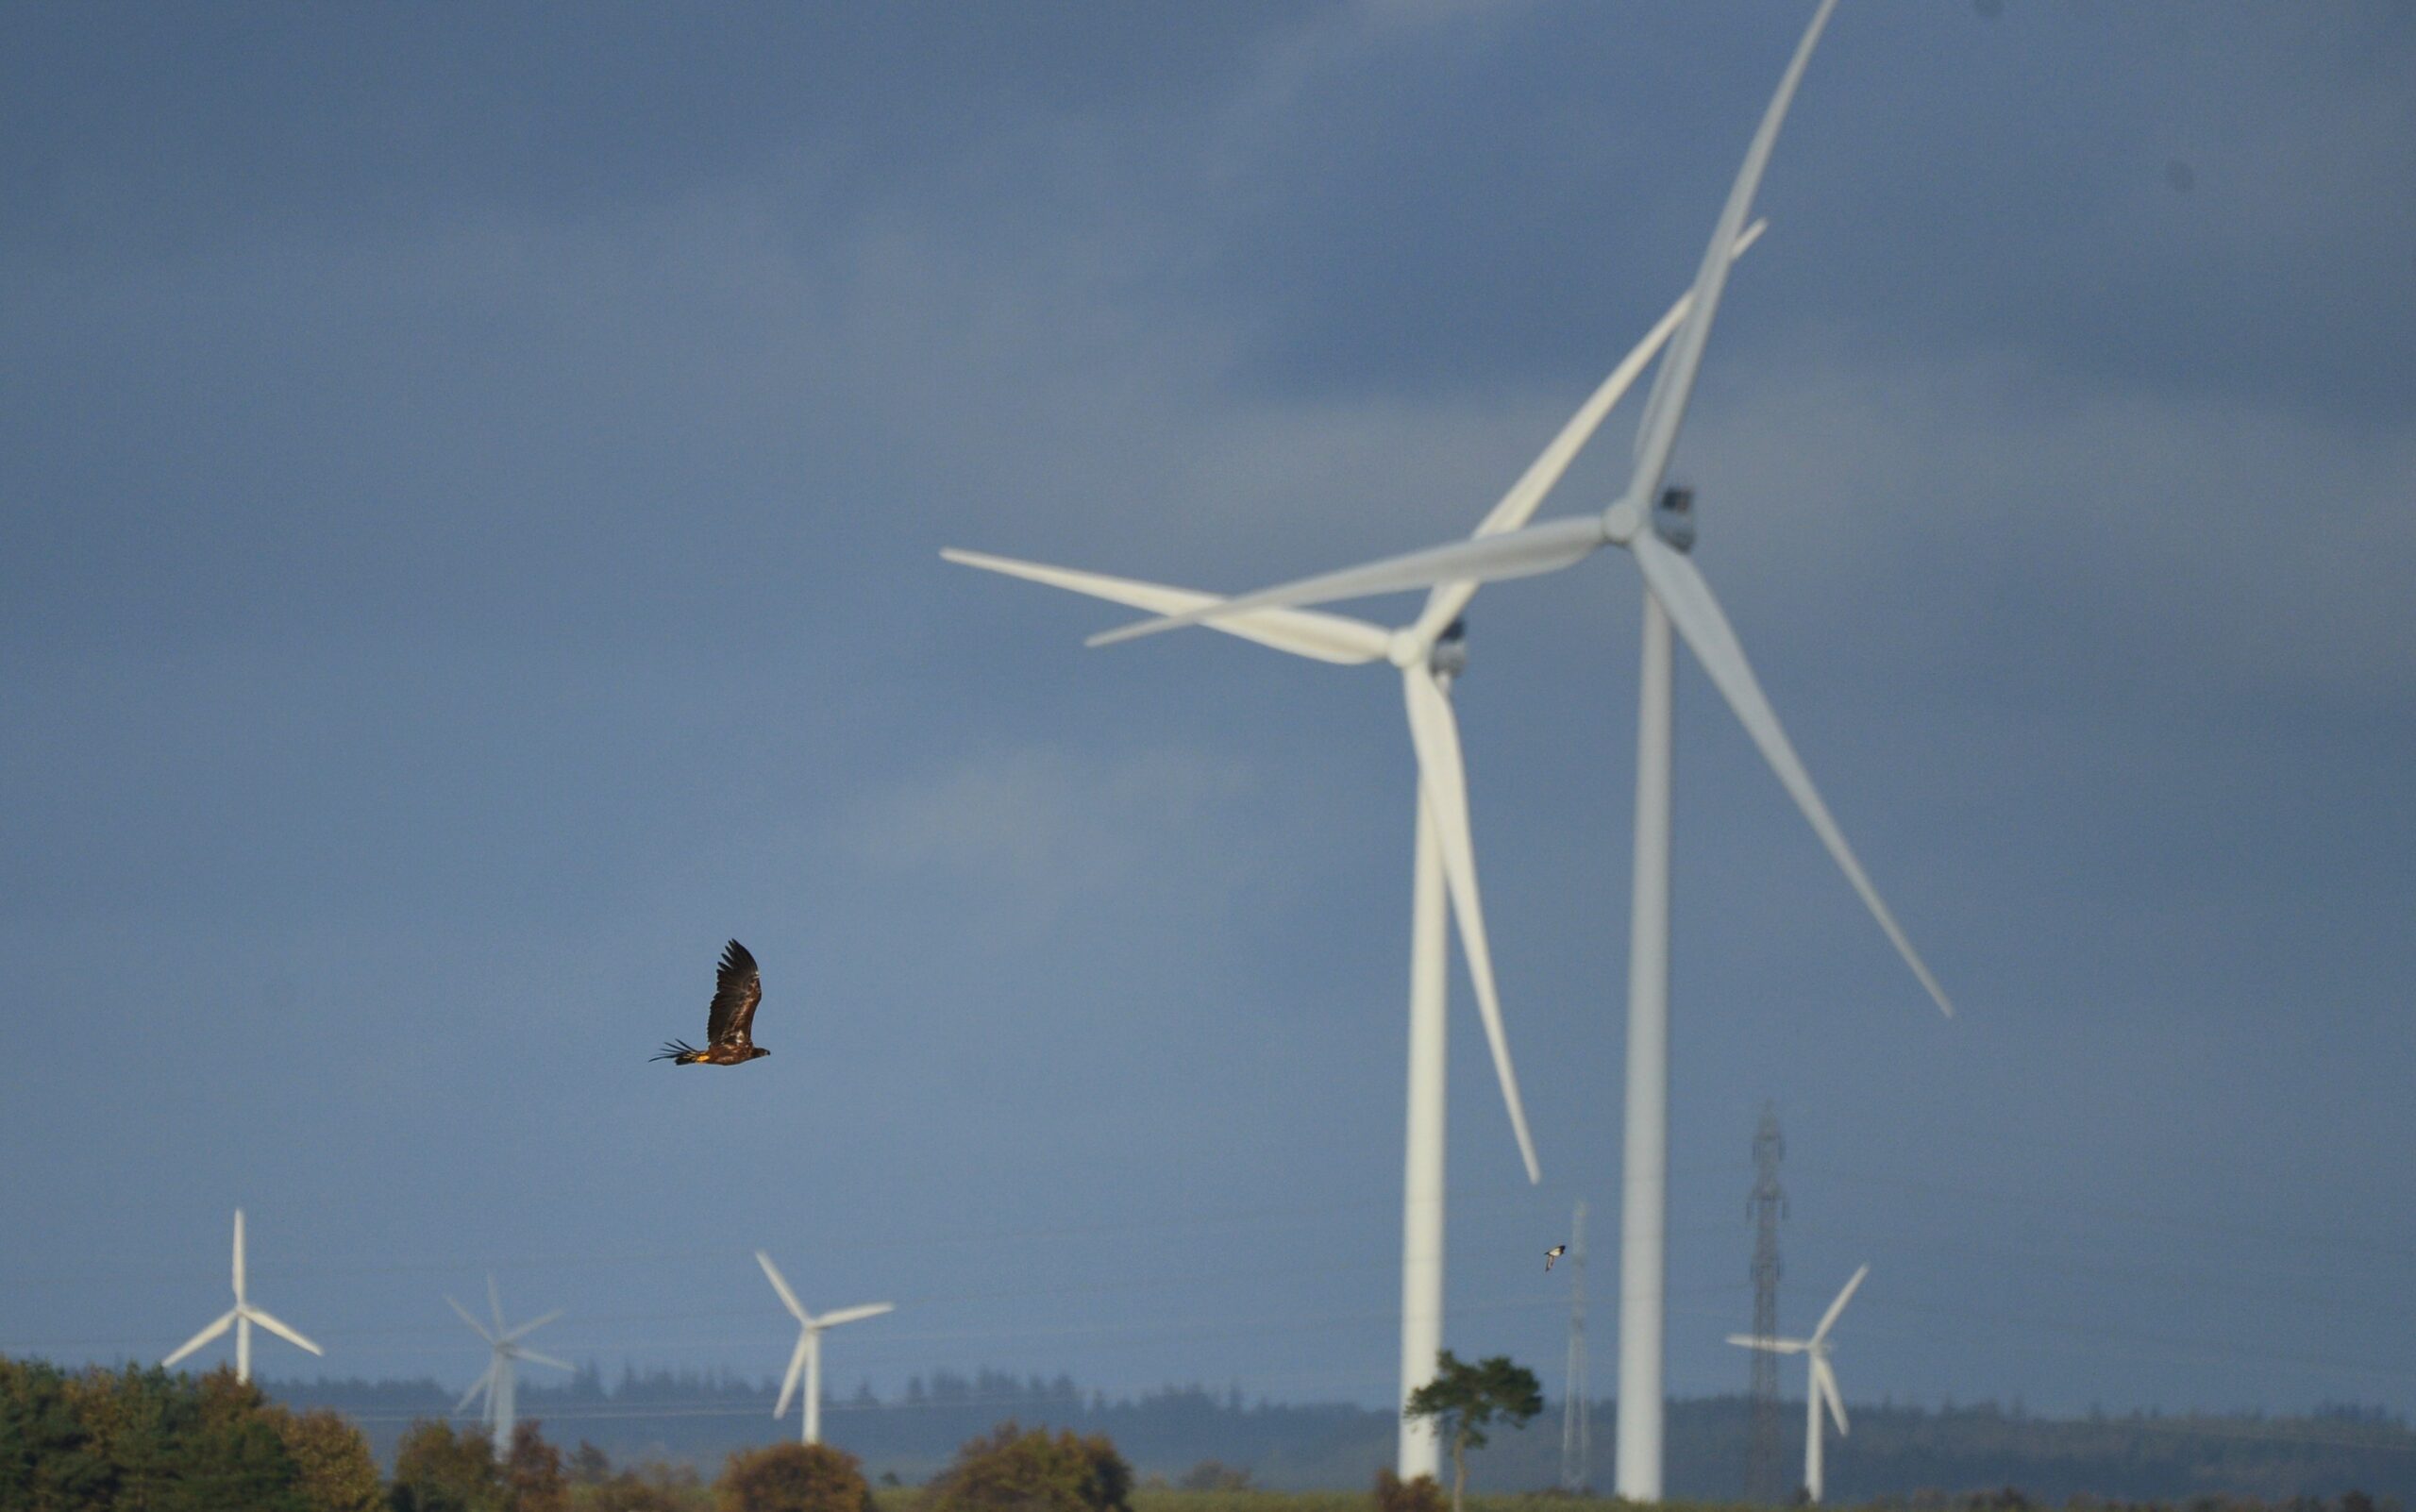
(737, 989)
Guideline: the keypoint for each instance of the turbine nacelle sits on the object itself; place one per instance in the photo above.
(1446, 654)
(1673, 517)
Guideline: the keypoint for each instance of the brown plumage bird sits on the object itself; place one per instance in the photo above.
(730, 1025)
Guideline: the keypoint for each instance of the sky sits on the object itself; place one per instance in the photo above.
(471, 488)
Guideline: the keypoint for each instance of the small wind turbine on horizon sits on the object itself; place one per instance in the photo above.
(808, 1354)
(242, 1317)
(1430, 653)
(1654, 524)
(1822, 1386)
(498, 1383)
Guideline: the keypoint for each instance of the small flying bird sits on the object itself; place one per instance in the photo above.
(729, 1026)
(1554, 1254)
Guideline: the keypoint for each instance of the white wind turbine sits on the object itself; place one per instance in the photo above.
(808, 1355)
(244, 1316)
(1429, 653)
(1657, 539)
(1822, 1388)
(497, 1383)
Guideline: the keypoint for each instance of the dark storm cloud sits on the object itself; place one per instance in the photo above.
(1465, 204)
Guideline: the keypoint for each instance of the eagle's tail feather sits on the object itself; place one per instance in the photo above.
(679, 1052)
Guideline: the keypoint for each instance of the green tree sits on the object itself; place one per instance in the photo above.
(437, 1469)
(1464, 1399)
(1012, 1470)
(588, 1465)
(532, 1474)
(338, 1474)
(141, 1441)
(793, 1478)
(49, 1461)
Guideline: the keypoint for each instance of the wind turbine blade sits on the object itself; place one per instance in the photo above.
(1520, 504)
(283, 1331)
(470, 1318)
(797, 1368)
(1443, 780)
(531, 1327)
(1486, 558)
(1826, 1380)
(779, 1284)
(849, 1314)
(1697, 617)
(494, 1299)
(1839, 1306)
(484, 1383)
(1302, 632)
(239, 1257)
(542, 1359)
(1657, 437)
(1769, 1346)
(203, 1338)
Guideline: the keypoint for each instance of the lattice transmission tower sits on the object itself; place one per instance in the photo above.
(1576, 1444)
(1763, 1482)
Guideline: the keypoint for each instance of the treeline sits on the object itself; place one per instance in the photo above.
(1894, 1453)
(139, 1439)
(688, 1423)
(698, 1417)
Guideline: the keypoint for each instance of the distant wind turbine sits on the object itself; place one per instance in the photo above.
(1430, 653)
(808, 1355)
(244, 1316)
(1655, 525)
(498, 1382)
(1822, 1388)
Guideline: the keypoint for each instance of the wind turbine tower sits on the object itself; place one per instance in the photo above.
(808, 1356)
(244, 1316)
(1823, 1386)
(506, 1352)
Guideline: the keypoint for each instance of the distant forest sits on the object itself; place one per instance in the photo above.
(1896, 1453)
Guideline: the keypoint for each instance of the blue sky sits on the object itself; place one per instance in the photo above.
(470, 489)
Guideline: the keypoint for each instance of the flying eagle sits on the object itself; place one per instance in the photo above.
(1554, 1254)
(737, 988)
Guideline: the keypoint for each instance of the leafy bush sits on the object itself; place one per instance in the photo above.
(532, 1474)
(1421, 1493)
(1012, 1470)
(337, 1473)
(793, 1478)
(439, 1469)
